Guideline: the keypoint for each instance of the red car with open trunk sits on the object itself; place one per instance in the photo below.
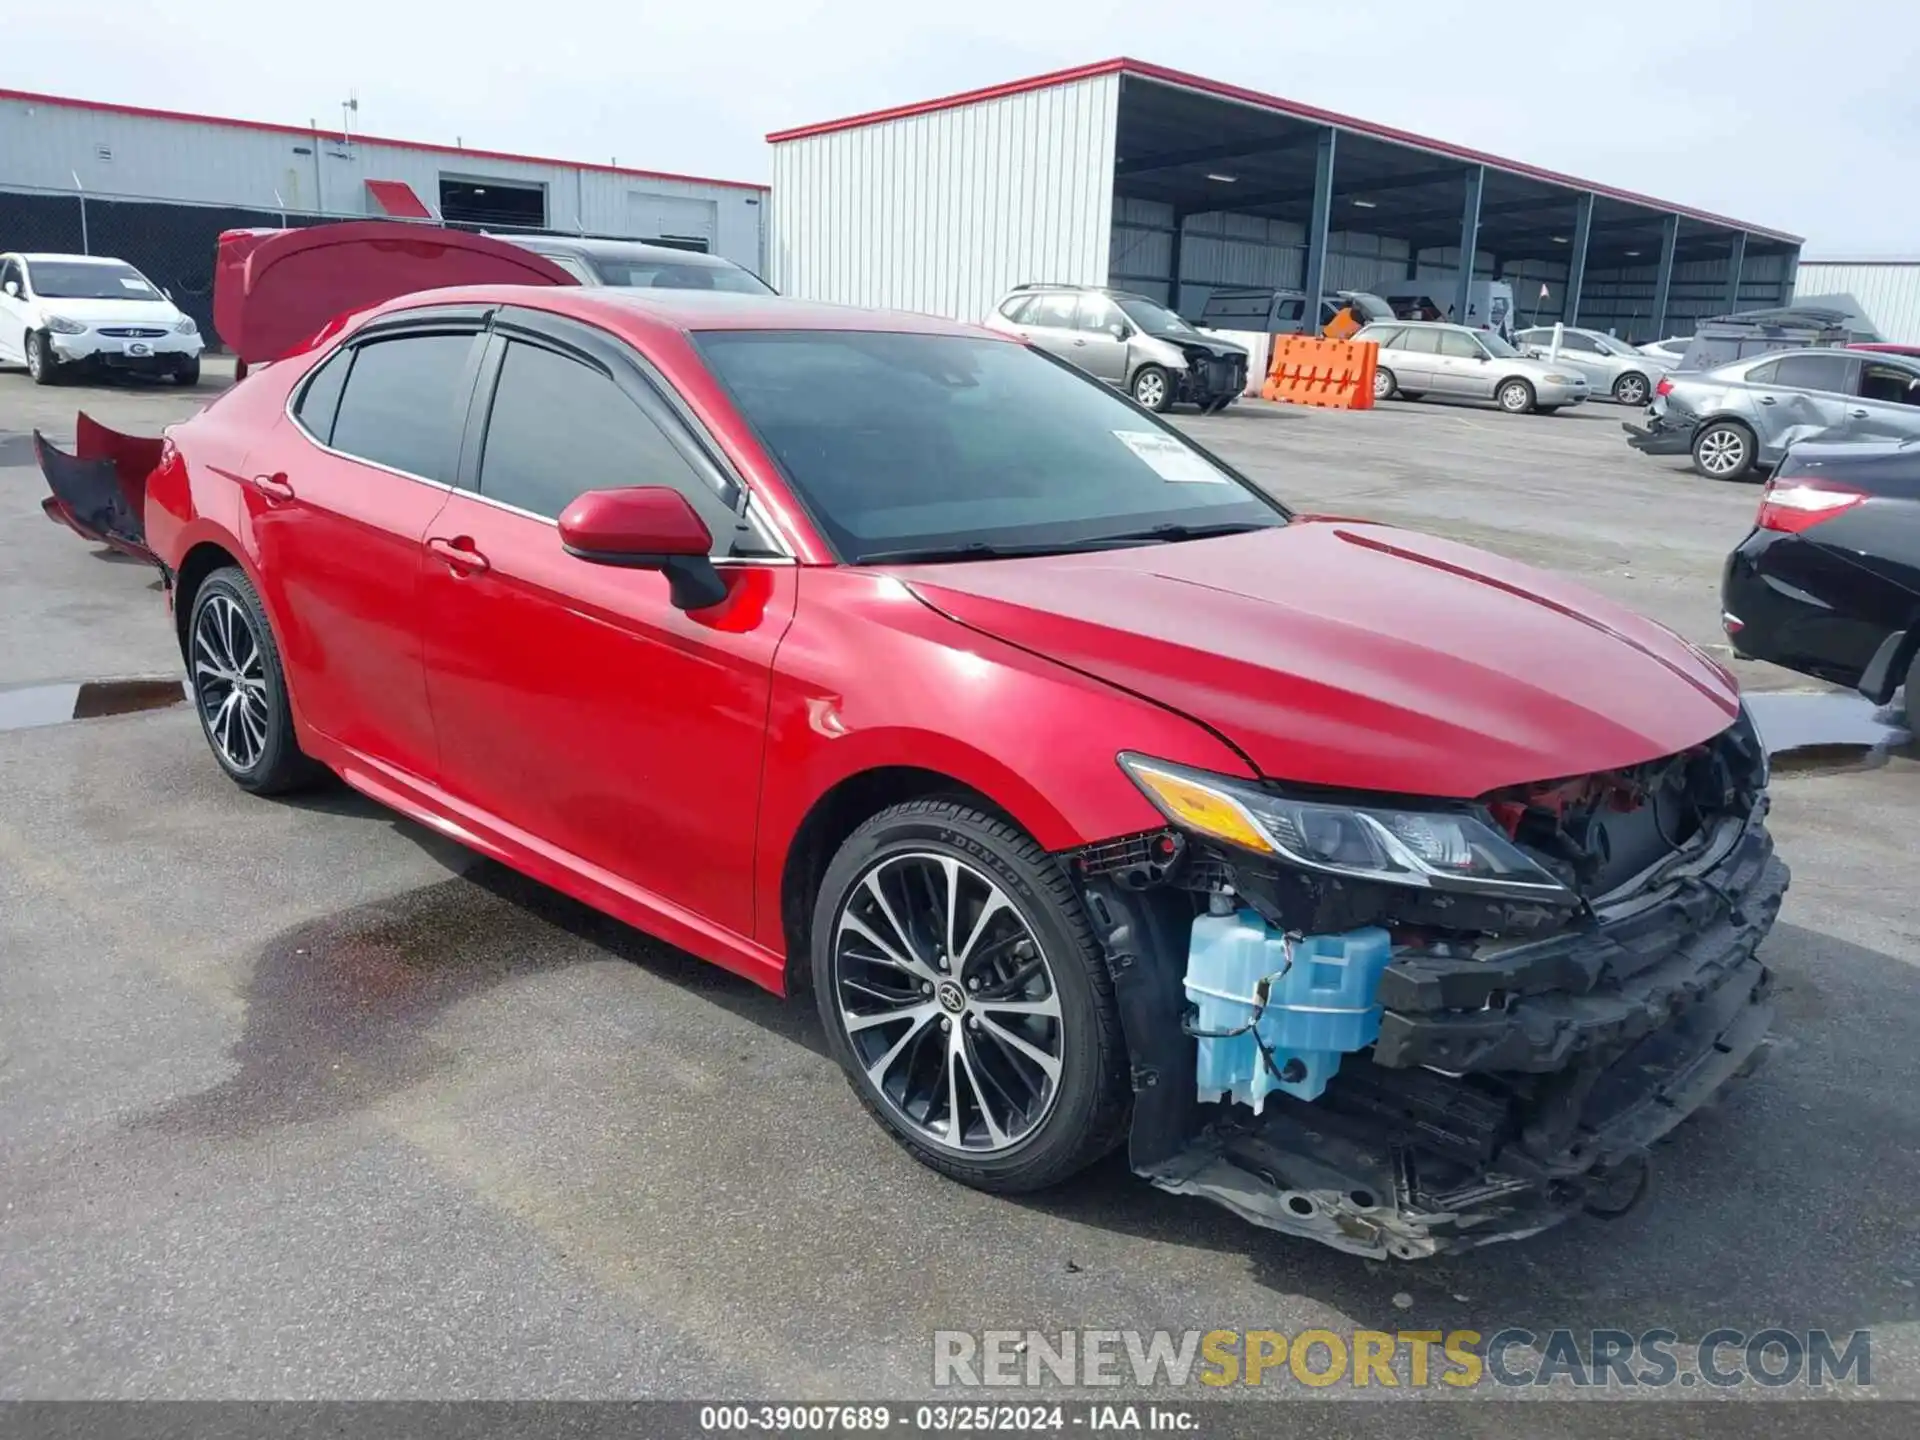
(891, 658)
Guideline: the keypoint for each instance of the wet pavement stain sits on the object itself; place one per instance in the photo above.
(29, 707)
(340, 1010)
(1809, 732)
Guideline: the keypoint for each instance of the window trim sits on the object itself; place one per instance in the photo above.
(437, 321)
(641, 382)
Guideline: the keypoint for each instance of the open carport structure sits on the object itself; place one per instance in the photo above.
(1170, 184)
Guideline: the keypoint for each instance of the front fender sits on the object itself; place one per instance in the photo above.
(870, 677)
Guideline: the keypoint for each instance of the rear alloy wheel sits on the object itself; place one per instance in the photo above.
(1631, 390)
(965, 997)
(1723, 450)
(1383, 384)
(239, 690)
(1515, 397)
(1152, 389)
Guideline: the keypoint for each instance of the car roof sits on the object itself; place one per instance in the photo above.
(31, 255)
(595, 248)
(637, 312)
(1419, 325)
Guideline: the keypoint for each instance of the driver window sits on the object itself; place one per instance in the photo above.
(1462, 347)
(1889, 384)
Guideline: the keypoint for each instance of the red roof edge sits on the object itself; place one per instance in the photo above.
(1122, 65)
(190, 117)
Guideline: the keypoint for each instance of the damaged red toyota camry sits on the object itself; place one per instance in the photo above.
(1386, 892)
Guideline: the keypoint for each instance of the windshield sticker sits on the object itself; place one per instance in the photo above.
(135, 284)
(1169, 458)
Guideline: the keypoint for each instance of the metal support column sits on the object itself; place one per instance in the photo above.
(1577, 260)
(1173, 261)
(1317, 231)
(1469, 243)
(1663, 282)
(1736, 258)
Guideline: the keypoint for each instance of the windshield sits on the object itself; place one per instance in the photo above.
(1496, 347)
(72, 280)
(908, 446)
(679, 275)
(1613, 346)
(1152, 318)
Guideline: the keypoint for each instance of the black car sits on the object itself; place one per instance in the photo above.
(1828, 583)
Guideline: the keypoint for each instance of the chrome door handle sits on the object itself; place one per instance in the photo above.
(1766, 399)
(1079, 342)
(1857, 414)
(458, 553)
(272, 488)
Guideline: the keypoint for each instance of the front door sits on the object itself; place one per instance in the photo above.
(1887, 406)
(1100, 349)
(1462, 367)
(572, 701)
(340, 496)
(13, 311)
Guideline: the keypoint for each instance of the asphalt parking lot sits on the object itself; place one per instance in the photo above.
(298, 1099)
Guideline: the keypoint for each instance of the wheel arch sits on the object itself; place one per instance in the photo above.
(201, 560)
(835, 814)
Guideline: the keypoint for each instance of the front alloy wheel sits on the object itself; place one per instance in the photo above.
(1631, 390)
(949, 1003)
(966, 998)
(1723, 452)
(1151, 389)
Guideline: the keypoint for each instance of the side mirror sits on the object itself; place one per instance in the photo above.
(1120, 330)
(13, 288)
(647, 527)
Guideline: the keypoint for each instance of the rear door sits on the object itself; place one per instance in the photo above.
(1802, 395)
(340, 497)
(1052, 321)
(572, 702)
(1415, 360)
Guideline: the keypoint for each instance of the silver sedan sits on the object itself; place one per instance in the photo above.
(1611, 366)
(1429, 358)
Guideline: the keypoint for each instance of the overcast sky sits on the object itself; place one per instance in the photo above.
(1802, 115)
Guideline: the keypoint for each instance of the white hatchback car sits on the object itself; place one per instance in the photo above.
(61, 314)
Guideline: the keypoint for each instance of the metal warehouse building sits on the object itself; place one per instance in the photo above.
(1887, 292)
(1129, 174)
(156, 187)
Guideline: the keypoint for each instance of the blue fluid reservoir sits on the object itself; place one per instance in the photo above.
(1320, 1005)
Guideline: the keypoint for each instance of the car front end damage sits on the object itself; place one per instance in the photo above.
(1215, 376)
(1527, 1034)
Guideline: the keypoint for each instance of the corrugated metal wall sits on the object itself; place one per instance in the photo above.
(1621, 300)
(1224, 250)
(944, 212)
(1888, 290)
(43, 146)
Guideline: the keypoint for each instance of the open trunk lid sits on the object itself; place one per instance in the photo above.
(274, 290)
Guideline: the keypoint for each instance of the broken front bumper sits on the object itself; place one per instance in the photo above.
(1504, 1094)
(1659, 436)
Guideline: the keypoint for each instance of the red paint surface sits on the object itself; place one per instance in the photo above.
(565, 718)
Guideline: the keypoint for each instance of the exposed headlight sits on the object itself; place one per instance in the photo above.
(60, 325)
(186, 327)
(1450, 849)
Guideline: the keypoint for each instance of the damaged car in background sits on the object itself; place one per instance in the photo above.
(1384, 891)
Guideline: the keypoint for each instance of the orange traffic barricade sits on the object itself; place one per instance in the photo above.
(1333, 374)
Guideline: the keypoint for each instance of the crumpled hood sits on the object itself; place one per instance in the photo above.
(1207, 344)
(1354, 655)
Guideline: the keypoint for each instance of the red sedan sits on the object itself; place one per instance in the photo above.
(889, 657)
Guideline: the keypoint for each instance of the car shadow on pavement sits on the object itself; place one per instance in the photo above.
(340, 1011)
(1788, 1202)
